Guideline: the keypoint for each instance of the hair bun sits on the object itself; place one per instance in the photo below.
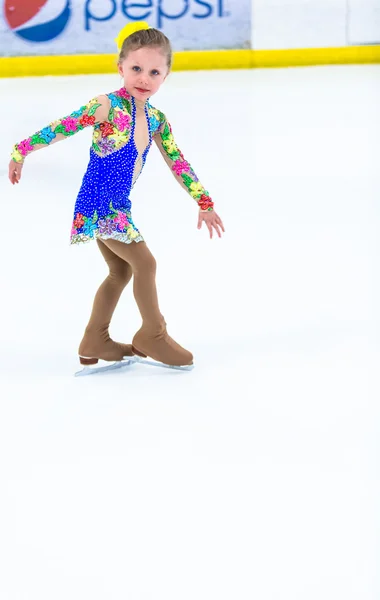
(128, 30)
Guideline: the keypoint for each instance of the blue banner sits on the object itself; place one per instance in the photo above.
(43, 27)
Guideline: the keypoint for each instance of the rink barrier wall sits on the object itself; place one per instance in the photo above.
(81, 64)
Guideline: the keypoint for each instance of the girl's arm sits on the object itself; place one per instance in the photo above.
(95, 111)
(180, 168)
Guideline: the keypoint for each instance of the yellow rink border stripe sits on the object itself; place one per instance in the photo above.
(249, 59)
(317, 56)
(19, 66)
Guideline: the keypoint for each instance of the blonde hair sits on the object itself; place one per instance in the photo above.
(146, 38)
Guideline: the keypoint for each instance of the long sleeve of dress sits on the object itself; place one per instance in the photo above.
(180, 168)
(88, 115)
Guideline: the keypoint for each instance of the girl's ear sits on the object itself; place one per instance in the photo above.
(120, 69)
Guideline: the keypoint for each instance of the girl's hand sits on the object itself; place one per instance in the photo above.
(15, 172)
(212, 220)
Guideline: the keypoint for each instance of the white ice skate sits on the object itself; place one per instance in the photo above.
(127, 362)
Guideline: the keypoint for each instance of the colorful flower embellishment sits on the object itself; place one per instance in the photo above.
(132, 233)
(181, 166)
(121, 220)
(123, 93)
(78, 221)
(90, 225)
(116, 101)
(47, 134)
(122, 121)
(16, 156)
(87, 120)
(154, 119)
(170, 144)
(78, 113)
(25, 146)
(205, 202)
(70, 124)
(106, 128)
(106, 226)
(106, 145)
(154, 123)
(196, 189)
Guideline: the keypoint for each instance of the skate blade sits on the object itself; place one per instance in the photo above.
(112, 367)
(154, 363)
(88, 370)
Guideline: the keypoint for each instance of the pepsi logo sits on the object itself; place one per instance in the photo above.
(27, 20)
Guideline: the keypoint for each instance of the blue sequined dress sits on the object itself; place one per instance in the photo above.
(103, 206)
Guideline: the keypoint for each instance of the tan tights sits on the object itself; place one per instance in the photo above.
(125, 260)
(139, 259)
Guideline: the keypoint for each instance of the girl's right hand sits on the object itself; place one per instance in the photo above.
(15, 172)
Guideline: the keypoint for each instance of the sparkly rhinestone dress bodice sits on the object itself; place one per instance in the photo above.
(113, 169)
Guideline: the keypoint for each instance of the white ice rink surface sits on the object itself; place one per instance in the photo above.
(255, 476)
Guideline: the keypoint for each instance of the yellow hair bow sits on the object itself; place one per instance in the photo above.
(128, 30)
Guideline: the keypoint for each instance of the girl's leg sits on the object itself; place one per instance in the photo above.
(152, 339)
(96, 342)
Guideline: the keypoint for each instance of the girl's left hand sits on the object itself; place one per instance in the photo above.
(212, 220)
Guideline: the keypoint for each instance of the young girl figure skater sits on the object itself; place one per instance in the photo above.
(124, 126)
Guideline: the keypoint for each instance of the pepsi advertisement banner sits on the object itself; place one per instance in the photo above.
(53, 27)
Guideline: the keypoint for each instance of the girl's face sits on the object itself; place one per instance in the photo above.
(144, 71)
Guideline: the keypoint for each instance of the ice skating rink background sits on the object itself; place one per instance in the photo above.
(256, 476)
